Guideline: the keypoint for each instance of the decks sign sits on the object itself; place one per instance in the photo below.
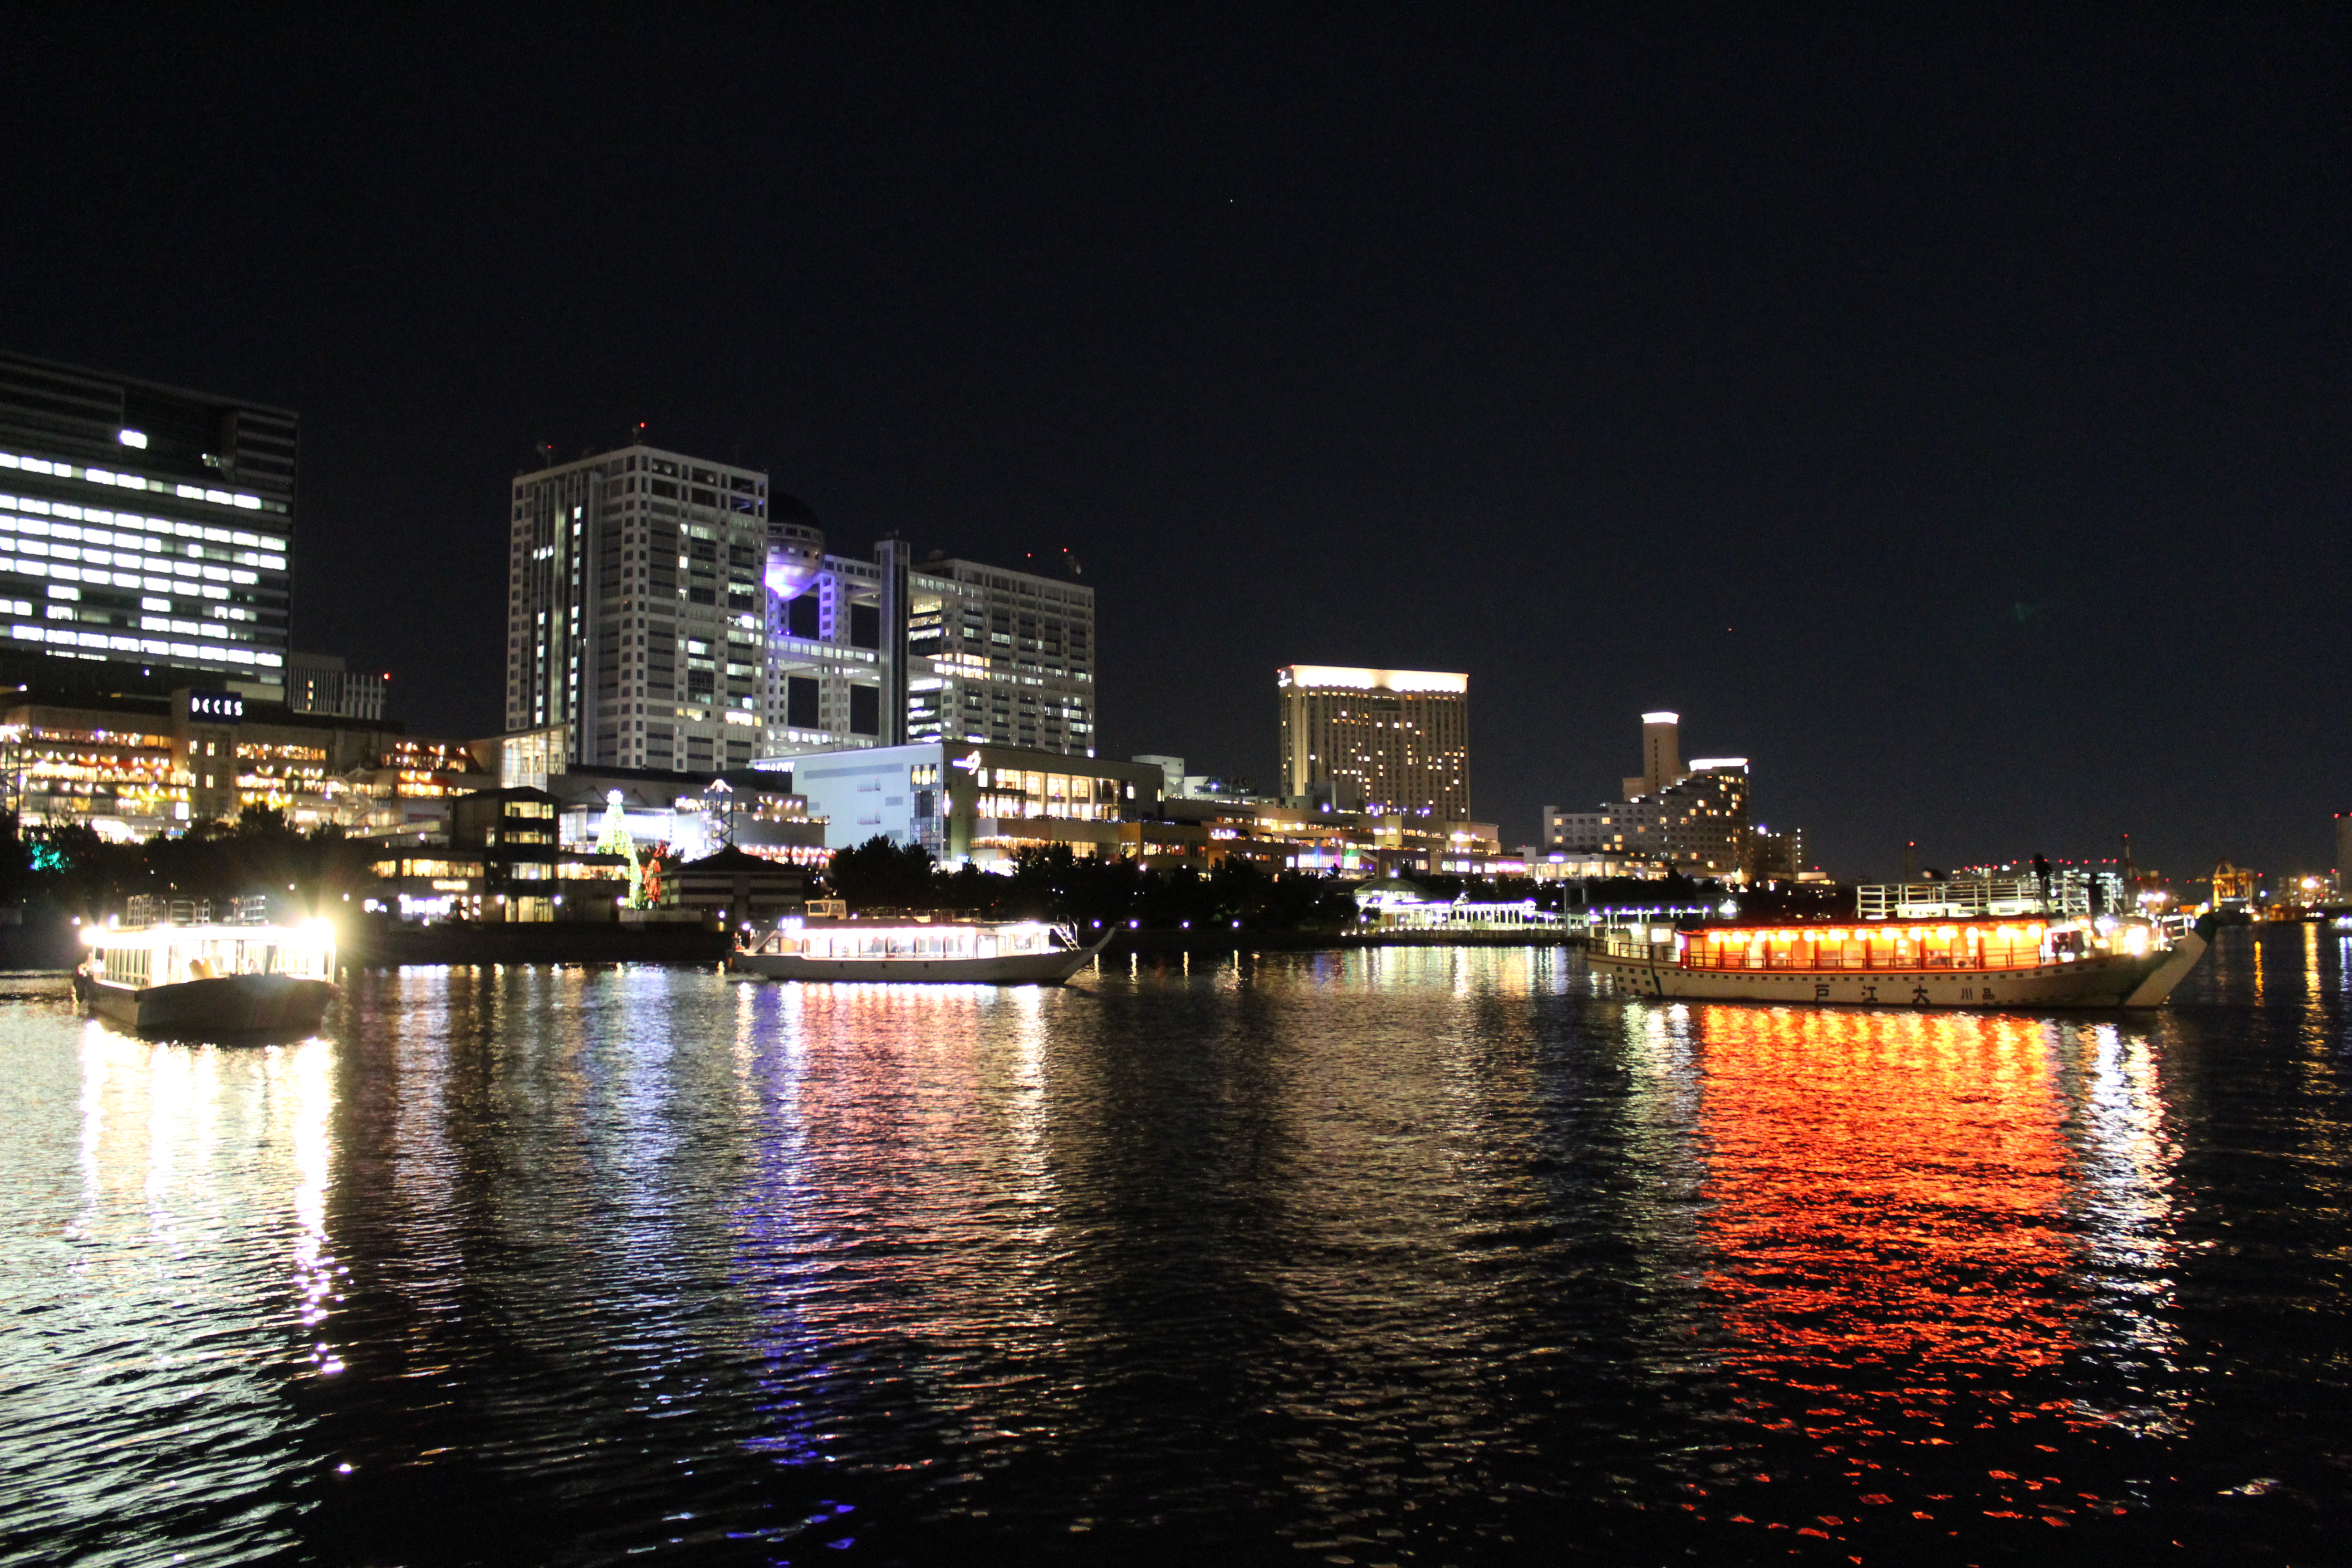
(220, 706)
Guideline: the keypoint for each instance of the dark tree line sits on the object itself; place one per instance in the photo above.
(91, 877)
(1055, 884)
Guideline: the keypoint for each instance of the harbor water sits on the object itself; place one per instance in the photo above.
(1402, 1256)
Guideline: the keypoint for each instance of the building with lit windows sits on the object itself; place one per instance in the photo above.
(667, 612)
(885, 652)
(144, 529)
(1377, 740)
(500, 862)
(634, 613)
(133, 766)
(1689, 817)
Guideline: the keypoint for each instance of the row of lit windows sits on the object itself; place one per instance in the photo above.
(59, 636)
(131, 531)
(238, 498)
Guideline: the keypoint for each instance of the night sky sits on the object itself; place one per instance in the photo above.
(1947, 410)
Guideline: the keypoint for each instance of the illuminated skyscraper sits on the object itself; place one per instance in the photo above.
(668, 612)
(144, 527)
(633, 609)
(1393, 740)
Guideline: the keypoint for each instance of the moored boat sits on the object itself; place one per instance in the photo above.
(206, 980)
(1976, 962)
(983, 952)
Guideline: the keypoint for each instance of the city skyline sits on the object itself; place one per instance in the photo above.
(1969, 452)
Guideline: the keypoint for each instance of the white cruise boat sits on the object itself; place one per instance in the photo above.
(191, 976)
(942, 952)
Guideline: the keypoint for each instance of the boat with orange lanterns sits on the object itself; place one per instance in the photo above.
(1995, 943)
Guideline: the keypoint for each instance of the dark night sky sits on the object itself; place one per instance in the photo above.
(1949, 411)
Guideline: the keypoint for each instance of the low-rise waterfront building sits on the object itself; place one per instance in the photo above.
(981, 803)
(1287, 836)
(501, 862)
(128, 765)
(734, 887)
(690, 814)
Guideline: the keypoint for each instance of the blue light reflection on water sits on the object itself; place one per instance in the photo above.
(1402, 1256)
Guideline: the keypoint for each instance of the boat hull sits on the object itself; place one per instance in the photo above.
(230, 1004)
(1020, 969)
(2100, 980)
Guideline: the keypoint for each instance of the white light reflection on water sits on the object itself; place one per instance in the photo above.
(152, 1405)
(2123, 1159)
(315, 1268)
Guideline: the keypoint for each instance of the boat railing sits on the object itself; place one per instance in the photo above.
(1959, 897)
(2067, 892)
(143, 909)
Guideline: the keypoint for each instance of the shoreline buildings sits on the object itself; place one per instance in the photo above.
(633, 613)
(147, 535)
(889, 652)
(1691, 819)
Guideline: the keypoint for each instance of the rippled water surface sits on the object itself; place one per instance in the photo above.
(1403, 1257)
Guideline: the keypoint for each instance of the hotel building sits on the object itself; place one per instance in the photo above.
(1690, 818)
(633, 614)
(1381, 741)
(143, 527)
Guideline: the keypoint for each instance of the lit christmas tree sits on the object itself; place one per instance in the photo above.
(614, 840)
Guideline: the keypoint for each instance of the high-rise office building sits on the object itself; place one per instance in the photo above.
(668, 612)
(143, 527)
(887, 652)
(1382, 740)
(633, 613)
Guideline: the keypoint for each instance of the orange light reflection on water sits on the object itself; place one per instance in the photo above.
(1887, 1220)
(1885, 1183)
